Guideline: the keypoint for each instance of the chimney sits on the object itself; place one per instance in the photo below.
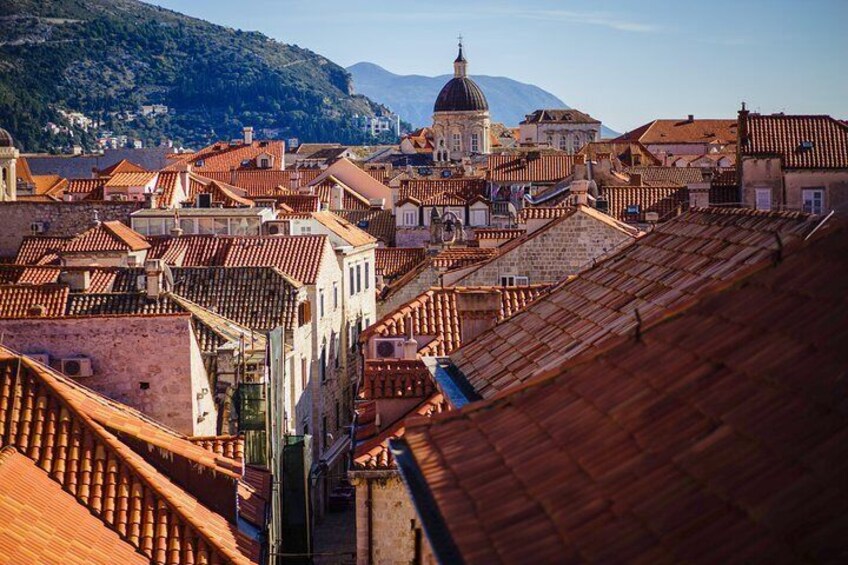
(248, 135)
(233, 176)
(742, 126)
(78, 281)
(699, 192)
(477, 311)
(410, 346)
(154, 270)
(690, 118)
(635, 179)
(580, 190)
(337, 197)
(377, 203)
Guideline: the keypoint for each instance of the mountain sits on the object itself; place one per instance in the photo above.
(102, 57)
(412, 96)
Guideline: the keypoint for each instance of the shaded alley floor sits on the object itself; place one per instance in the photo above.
(336, 538)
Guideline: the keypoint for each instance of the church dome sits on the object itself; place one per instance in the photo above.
(461, 94)
(5, 138)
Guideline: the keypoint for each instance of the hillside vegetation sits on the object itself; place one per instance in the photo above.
(102, 56)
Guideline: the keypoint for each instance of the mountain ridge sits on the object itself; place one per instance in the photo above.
(412, 96)
(100, 57)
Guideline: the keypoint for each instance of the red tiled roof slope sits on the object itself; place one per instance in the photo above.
(678, 260)
(26, 301)
(395, 378)
(532, 167)
(784, 135)
(108, 236)
(716, 435)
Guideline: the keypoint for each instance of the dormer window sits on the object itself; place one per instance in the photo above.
(807, 145)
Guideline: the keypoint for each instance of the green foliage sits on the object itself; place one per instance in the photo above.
(100, 56)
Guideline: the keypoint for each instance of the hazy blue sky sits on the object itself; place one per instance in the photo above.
(623, 61)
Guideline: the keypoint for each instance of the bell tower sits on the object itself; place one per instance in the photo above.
(8, 174)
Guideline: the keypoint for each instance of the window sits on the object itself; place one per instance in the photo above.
(563, 143)
(812, 200)
(264, 164)
(514, 280)
(475, 142)
(763, 198)
(335, 295)
(206, 226)
(410, 218)
(367, 273)
(222, 226)
(550, 140)
(304, 313)
(457, 142)
(334, 349)
(358, 278)
(352, 281)
(320, 303)
(322, 367)
(305, 230)
(141, 225)
(478, 217)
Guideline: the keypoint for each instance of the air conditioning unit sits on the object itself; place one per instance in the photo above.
(38, 227)
(389, 348)
(76, 367)
(42, 358)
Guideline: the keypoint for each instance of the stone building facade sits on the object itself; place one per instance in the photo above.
(8, 164)
(59, 219)
(151, 363)
(563, 247)
(563, 129)
(461, 123)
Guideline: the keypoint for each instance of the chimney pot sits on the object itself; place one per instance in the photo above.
(691, 118)
(248, 135)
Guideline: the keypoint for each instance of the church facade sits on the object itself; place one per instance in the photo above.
(461, 123)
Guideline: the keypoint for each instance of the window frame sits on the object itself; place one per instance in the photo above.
(813, 191)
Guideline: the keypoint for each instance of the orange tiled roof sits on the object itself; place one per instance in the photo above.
(395, 378)
(351, 200)
(344, 229)
(456, 257)
(108, 236)
(533, 167)
(31, 301)
(374, 454)
(41, 523)
(23, 171)
(666, 201)
(499, 233)
(91, 453)
(264, 182)
(716, 434)
(22, 274)
(543, 213)
(784, 136)
(434, 314)
(166, 186)
(122, 166)
(224, 157)
(301, 203)
(379, 223)
(231, 447)
(299, 256)
(392, 262)
(683, 131)
(49, 185)
(84, 186)
(40, 249)
(121, 180)
(630, 153)
(678, 260)
(442, 192)
(221, 192)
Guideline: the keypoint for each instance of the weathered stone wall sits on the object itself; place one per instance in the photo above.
(59, 218)
(427, 278)
(564, 249)
(151, 363)
(393, 518)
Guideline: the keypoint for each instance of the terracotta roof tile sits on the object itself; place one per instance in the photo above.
(683, 131)
(666, 201)
(301, 203)
(166, 186)
(442, 192)
(379, 223)
(223, 193)
(23, 275)
(30, 301)
(543, 213)
(393, 262)
(300, 257)
(434, 315)
(108, 236)
(41, 523)
(122, 166)
(679, 260)
(498, 233)
(351, 200)
(533, 167)
(717, 434)
(161, 520)
(344, 229)
(40, 250)
(121, 180)
(395, 378)
(456, 257)
(263, 182)
(680, 176)
(84, 186)
(785, 136)
(222, 157)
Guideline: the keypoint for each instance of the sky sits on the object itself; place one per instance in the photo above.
(625, 62)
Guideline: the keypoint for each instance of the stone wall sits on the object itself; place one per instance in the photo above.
(59, 219)
(151, 363)
(565, 248)
(394, 521)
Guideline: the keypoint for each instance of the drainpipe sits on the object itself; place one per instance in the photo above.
(370, 504)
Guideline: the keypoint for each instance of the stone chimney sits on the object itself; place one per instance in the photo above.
(690, 118)
(248, 135)
(78, 281)
(742, 129)
(337, 197)
(477, 311)
(410, 345)
(377, 203)
(580, 191)
(154, 270)
(699, 192)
